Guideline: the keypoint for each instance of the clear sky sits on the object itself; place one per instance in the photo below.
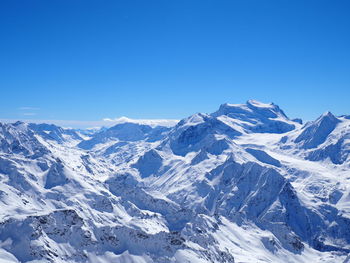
(89, 60)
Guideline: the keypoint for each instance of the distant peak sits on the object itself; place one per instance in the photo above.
(18, 123)
(149, 122)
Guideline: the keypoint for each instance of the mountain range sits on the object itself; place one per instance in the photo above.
(242, 184)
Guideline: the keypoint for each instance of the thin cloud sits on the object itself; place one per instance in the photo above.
(29, 113)
(28, 108)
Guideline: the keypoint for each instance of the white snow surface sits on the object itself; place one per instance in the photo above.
(243, 184)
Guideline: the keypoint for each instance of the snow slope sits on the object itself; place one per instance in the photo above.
(243, 184)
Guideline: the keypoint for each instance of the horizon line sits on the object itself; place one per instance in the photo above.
(105, 122)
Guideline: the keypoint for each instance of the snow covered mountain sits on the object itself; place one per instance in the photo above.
(52, 132)
(243, 184)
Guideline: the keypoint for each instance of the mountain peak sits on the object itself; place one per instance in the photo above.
(271, 110)
(255, 116)
(316, 132)
(259, 104)
(329, 115)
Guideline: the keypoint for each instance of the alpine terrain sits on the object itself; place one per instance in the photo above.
(242, 184)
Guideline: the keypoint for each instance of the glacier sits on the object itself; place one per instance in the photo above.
(242, 184)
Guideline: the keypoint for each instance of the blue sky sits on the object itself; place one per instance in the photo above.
(89, 60)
